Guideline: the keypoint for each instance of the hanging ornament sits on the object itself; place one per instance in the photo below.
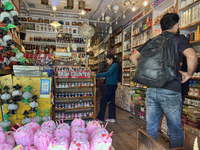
(6, 123)
(8, 40)
(27, 94)
(5, 96)
(107, 19)
(17, 91)
(26, 119)
(12, 107)
(46, 115)
(17, 99)
(38, 117)
(8, 6)
(34, 103)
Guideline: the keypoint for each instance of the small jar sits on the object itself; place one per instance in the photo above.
(72, 115)
(84, 115)
(56, 95)
(79, 104)
(88, 104)
(56, 105)
(67, 94)
(69, 105)
(79, 83)
(84, 104)
(66, 105)
(59, 105)
(79, 94)
(72, 84)
(82, 83)
(87, 114)
(76, 95)
(63, 94)
(66, 84)
(70, 94)
(63, 105)
(57, 85)
(85, 83)
(73, 94)
(75, 84)
(60, 84)
(73, 105)
(63, 115)
(76, 104)
(60, 95)
(88, 84)
(69, 84)
(91, 84)
(56, 115)
(59, 115)
(91, 104)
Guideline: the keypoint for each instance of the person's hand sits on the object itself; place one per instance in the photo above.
(95, 75)
(185, 76)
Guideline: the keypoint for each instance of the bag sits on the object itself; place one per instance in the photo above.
(156, 65)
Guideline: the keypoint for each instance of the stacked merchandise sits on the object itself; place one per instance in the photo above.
(137, 106)
(52, 137)
(122, 97)
(164, 128)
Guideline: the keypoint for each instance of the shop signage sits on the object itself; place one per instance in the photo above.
(157, 2)
(127, 24)
(64, 35)
(73, 74)
(68, 68)
(137, 17)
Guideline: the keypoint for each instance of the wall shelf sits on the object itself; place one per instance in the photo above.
(74, 87)
(190, 25)
(74, 108)
(188, 96)
(141, 31)
(74, 97)
(74, 118)
(189, 5)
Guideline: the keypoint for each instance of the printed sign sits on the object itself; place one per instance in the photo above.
(137, 17)
(68, 68)
(44, 88)
(157, 2)
(64, 35)
(73, 74)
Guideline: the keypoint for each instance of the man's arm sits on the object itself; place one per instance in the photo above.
(192, 60)
(134, 58)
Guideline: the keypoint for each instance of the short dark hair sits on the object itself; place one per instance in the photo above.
(168, 21)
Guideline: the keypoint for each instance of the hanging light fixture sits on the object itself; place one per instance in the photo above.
(127, 2)
(55, 24)
(83, 12)
(98, 19)
(133, 9)
(145, 3)
(109, 7)
(116, 22)
(45, 2)
(54, 8)
(110, 29)
(81, 4)
(124, 14)
(115, 9)
(107, 19)
(70, 4)
(102, 14)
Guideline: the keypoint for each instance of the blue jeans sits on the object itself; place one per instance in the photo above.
(160, 101)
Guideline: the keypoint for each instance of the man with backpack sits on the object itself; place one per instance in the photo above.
(158, 68)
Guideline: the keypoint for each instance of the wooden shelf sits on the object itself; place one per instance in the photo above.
(126, 84)
(74, 97)
(195, 41)
(141, 32)
(188, 96)
(189, 5)
(126, 68)
(119, 43)
(117, 53)
(194, 87)
(126, 59)
(190, 25)
(156, 23)
(102, 52)
(74, 118)
(74, 87)
(101, 61)
(191, 105)
(195, 78)
(127, 50)
(127, 39)
(74, 108)
(137, 46)
(5, 72)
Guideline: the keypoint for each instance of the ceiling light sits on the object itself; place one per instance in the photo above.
(109, 7)
(127, 2)
(45, 2)
(54, 8)
(102, 14)
(115, 9)
(55, 24)
(95, 24)
(70, 4)
(107, 19)
(133, 9)
(81, 4)
(83, 12)
(124, 14)
(145, 3)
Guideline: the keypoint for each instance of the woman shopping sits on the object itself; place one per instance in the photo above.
(113, 76)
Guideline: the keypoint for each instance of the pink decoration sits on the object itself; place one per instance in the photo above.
(101, 141)
(30, 148)
(79, 144)
(79, 134)
(24, 135)
(49, 123)
(5, 146)
(2, 138)
(92, 126)
(77, 129)
(59, 143)
(64, 125)
(78, 122)
(10, 138)
(99, 132)
(35, 126)
(62, 132)
(42, 139)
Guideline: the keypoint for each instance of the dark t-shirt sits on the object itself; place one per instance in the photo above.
(181, 43)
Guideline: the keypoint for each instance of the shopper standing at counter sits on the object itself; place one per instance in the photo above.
(168, 98)
(113, 76)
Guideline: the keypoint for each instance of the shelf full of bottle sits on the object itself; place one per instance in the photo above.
(39, 49)
(59, 40)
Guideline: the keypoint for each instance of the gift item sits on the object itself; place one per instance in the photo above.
(5, 96)
(34, 104)
(27, 94)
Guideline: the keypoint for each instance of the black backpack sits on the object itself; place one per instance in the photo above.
(156, 65)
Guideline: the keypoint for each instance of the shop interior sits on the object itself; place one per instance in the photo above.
(49, 53)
